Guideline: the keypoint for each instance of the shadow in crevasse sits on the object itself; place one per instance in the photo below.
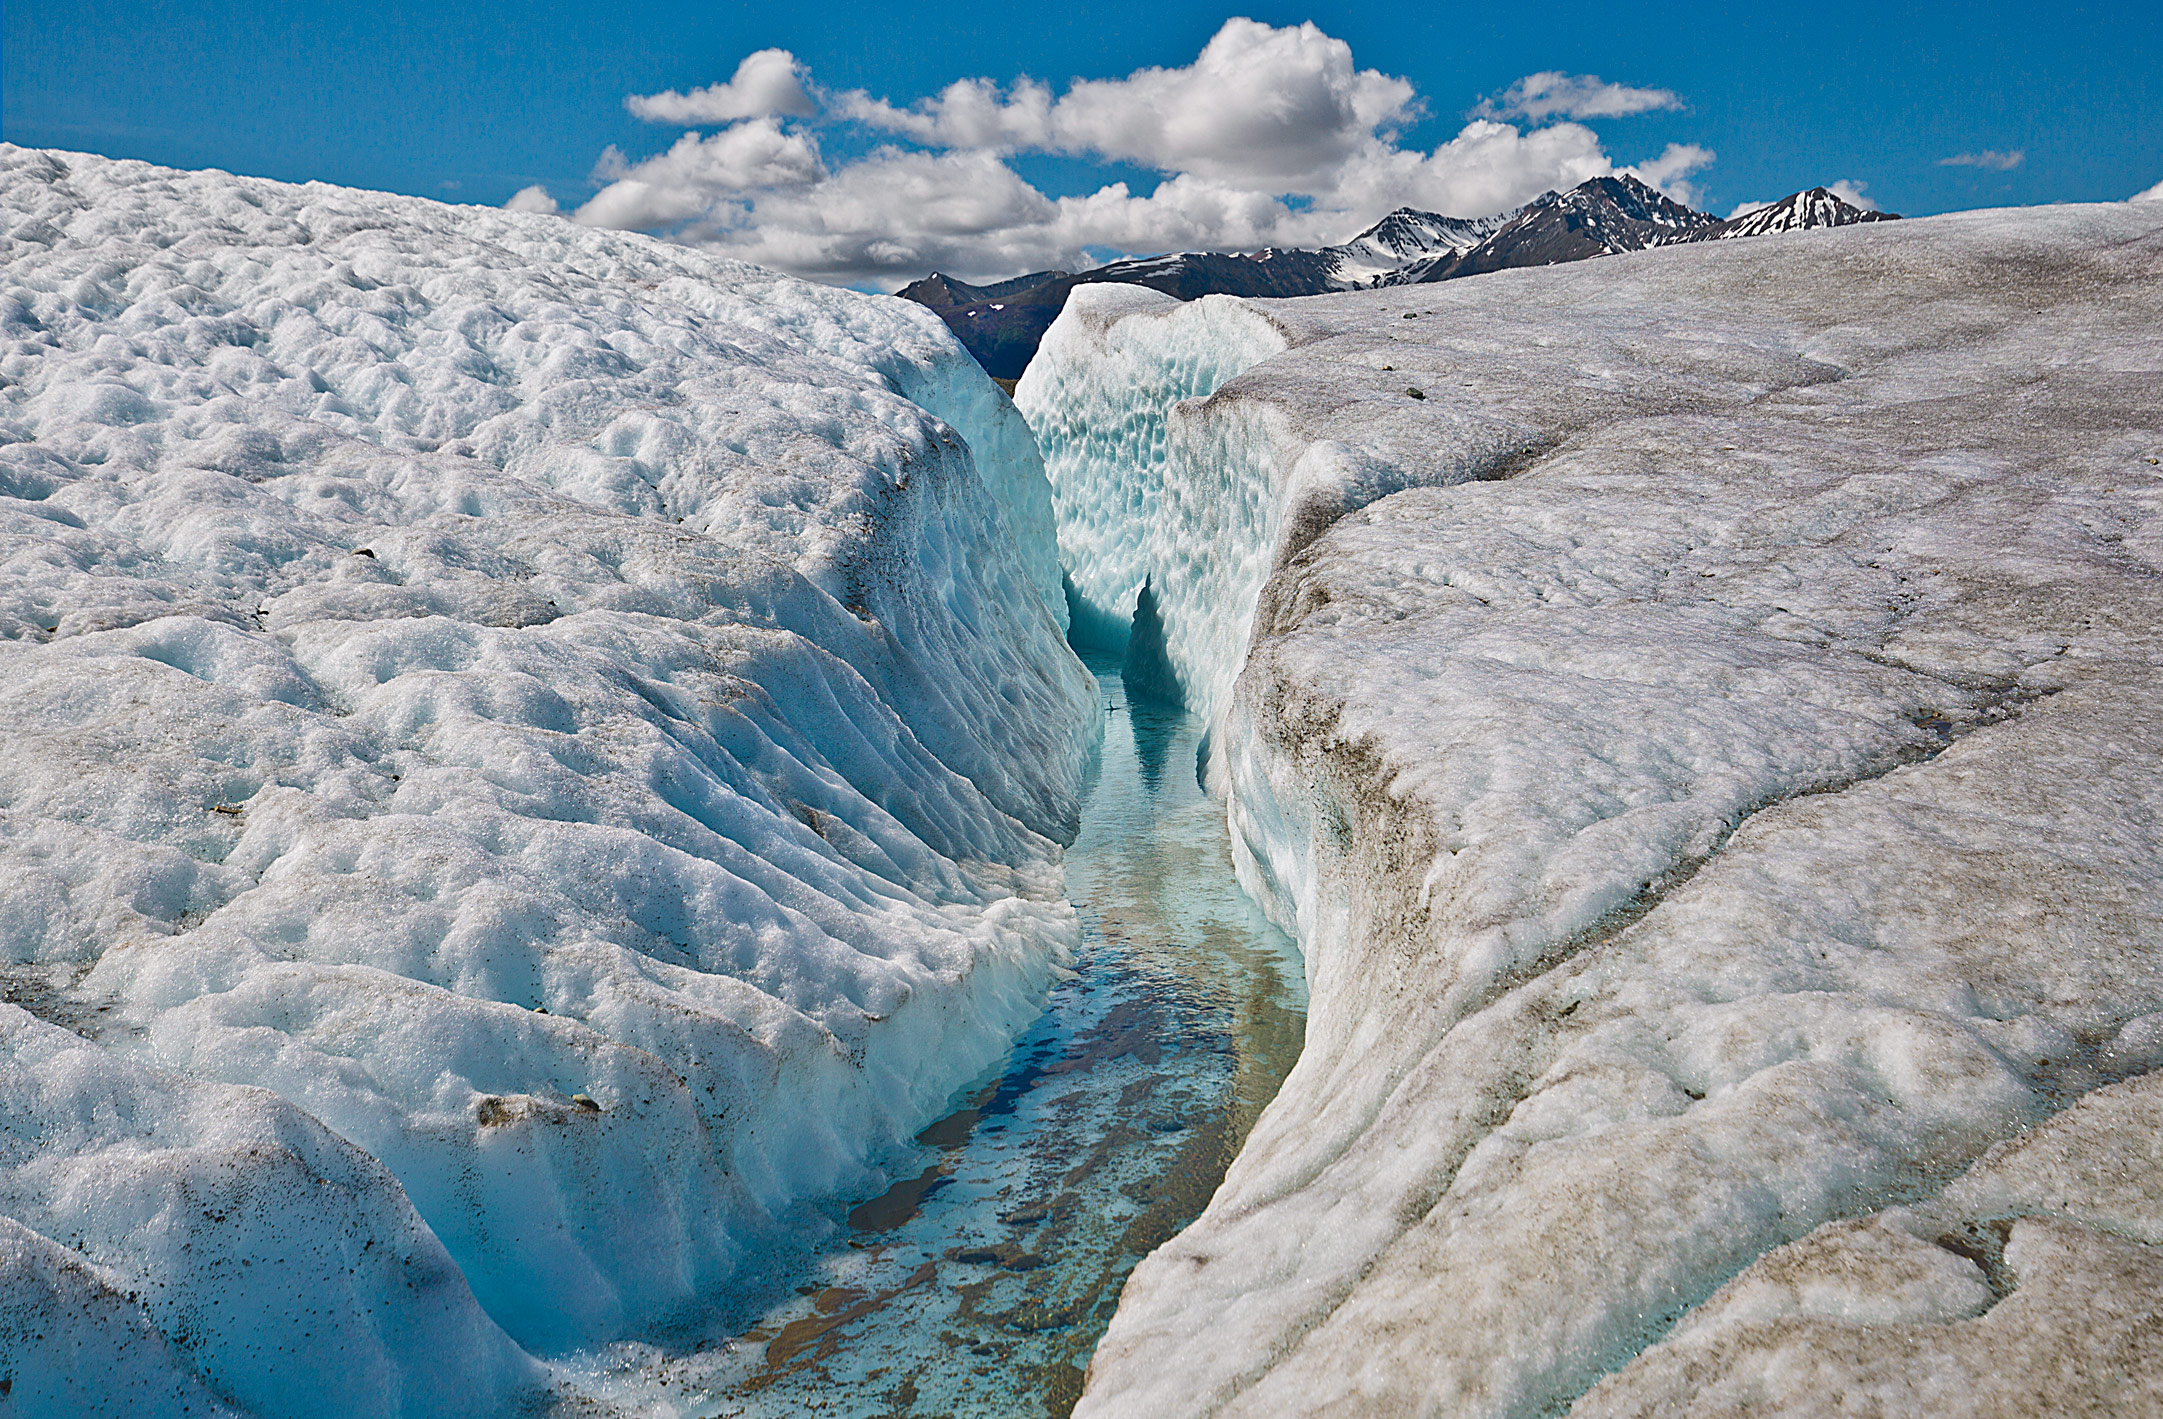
(1089, 630)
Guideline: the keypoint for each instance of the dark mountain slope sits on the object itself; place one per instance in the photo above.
(1598, 217)
(1002, 323)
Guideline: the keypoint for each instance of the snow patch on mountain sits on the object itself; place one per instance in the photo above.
(1803, 211)
(1404, 237)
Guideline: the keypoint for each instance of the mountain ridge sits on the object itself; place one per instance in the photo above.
(1002, 322)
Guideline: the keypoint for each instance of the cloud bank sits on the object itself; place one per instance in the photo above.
(1271, 136)
(1551, 94)
(1988, 158)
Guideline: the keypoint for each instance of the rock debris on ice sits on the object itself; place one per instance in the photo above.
(584, 721)
(1707, 749)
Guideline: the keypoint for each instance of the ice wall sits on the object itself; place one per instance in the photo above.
(545, 703)
(1004, 452)
(1136, 502)
(1717, 798)
(1167, 470)
(169, 1244)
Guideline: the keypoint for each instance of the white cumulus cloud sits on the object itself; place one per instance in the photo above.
(968, 113)
(1272, 136)
(1670, 172)
(1850, 191)
(768, 82)
(1988, 158)
(2152, 194)
(532, 199)
(1259, 105)
(1552, 94)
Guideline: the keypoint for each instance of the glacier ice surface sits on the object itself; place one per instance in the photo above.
(1701, 729)
(586, 722)
(168, 1241)
(2032, 1285)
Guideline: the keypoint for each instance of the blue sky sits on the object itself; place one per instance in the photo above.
(474, 103)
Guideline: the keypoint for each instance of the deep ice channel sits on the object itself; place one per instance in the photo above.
(1707, 839)
(978, 1285)
(536, 764)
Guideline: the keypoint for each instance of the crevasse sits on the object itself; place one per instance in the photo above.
(1168, 472)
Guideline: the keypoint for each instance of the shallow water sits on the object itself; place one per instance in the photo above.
(980, 1283)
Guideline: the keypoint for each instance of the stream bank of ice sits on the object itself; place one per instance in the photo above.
(567, 713)
(1701, 725)
(977, 1286)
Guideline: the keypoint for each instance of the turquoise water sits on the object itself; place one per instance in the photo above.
(980, 1284)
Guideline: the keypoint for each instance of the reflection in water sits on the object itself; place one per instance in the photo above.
(980, 1283)
(1156, 727)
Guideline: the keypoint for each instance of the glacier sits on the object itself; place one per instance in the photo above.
(534, 757)
(537, 759)
(1696, 712)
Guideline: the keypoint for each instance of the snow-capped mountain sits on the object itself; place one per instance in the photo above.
(1403, 238)
(938, 290)
(1815, 208)
(1002, 323)
(1598, 217)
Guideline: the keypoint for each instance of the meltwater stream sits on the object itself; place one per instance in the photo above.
(979, 1285)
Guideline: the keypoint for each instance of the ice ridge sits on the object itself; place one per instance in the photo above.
(1714, 783)
(1167, 470)
(584, 724)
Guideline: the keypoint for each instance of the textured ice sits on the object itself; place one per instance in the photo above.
(1134, 499)
(2032, 1285)
(1167, 472)
(551, 705)
(166, 1241)
(1716, 790)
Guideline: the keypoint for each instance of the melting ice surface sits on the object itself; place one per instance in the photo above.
(980, 1283)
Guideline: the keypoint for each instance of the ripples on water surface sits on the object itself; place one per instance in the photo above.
(979, 1285)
